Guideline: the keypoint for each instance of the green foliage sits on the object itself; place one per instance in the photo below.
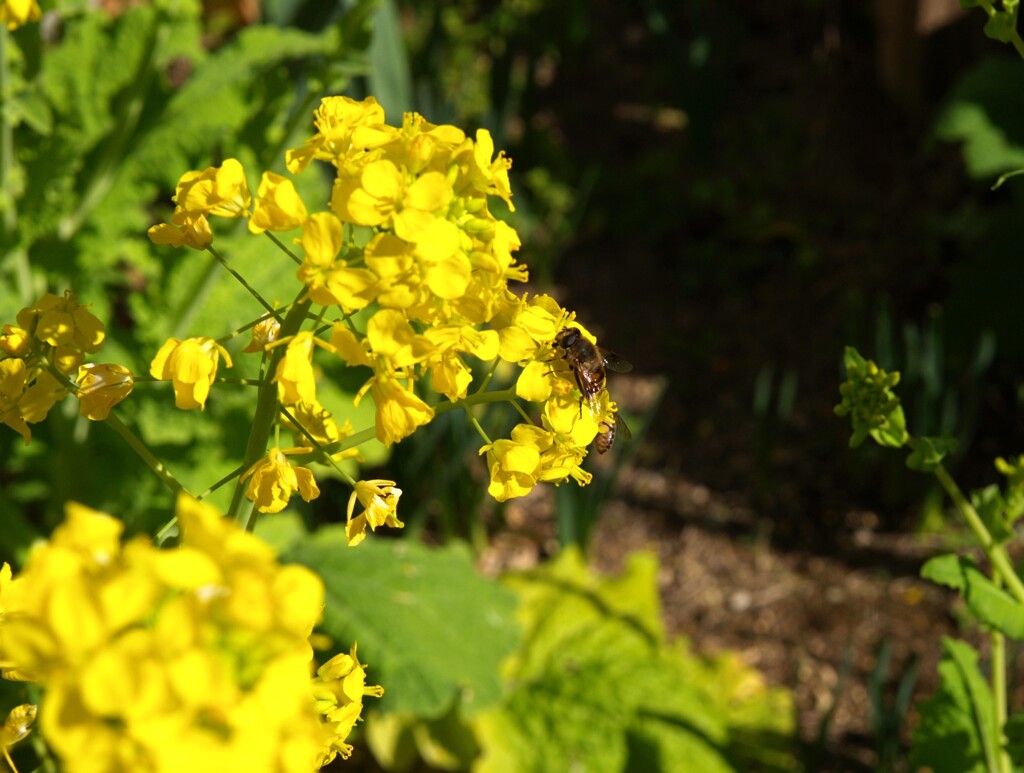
(596, 686)
(868, 399)
(957, 728)
(987, 601)
(105, 118)
(929, 452)
(985, 112)
(430, 626)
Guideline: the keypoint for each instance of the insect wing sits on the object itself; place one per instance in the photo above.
(614, 362)
(623, 427)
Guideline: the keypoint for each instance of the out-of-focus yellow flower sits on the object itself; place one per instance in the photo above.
(191, 365)
(195, 658)
(274, 481)
(278, 205)
(379, 499)
(101, 387)
(15, 13)
(339, 687)
(63, 322)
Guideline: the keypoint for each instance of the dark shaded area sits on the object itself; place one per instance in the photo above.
(761, 189)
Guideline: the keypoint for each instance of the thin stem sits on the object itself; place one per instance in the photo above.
(477, 427)
(1001, 563)
(316, 445)
(284, 247)
(999, 698)
(145, 454)
(265, 415)
(242, 281)
(16, 253)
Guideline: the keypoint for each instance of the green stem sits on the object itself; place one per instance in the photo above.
(1001, 564)
(242, 281)
(16, 252)
(284, 248)
(265, 416)
(136, 444)
(999, 699)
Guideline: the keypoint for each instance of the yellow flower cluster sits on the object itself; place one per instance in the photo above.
(41, 362)
(191, 659)
(409, 240)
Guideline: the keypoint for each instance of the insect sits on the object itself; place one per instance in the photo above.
(589, 364)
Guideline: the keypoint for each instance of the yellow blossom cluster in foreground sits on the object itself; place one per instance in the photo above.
(407, 238)
(191, 659)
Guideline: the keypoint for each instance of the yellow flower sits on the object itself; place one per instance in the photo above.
(339, 688)
(295, 379)
(184, 230)
(379, 499)
(399, 410)
(192, 366)
(13, 380)
(381, 196)
(274, 481)
(336, 119)
(15, 13)
(14, 341)
(17, 726)
(63, 322)
(217, 190)
(278, 205)
(101, 387)
(332, 281)
(195, 658)
(220, 191)
(515, 464)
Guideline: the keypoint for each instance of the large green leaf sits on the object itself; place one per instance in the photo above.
(596, 688)
(429, 625)
(990, 603)
(957, 725)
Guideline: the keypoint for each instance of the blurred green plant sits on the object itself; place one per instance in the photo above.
(966, 724)
(596, 684)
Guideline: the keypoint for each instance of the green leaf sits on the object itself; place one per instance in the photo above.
(986, 600)
(1014, 730)
(596, 688)
(992, 508)
(985, 112)
(894, 433)
(929, 452)
(957, 728)
(1002, 25)
(429, 625)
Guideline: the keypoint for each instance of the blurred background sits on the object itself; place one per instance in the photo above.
(727, 194)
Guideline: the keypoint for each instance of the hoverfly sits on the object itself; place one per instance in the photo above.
(589, 364)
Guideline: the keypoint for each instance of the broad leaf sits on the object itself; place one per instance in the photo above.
(986, 600)
(430, 627)
(957, 725)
